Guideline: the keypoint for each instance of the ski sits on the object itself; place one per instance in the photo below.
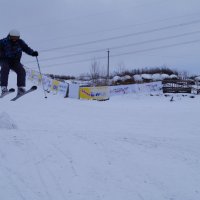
(11, 90)
(33, 88)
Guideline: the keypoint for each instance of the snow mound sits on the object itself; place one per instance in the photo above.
(6, 122)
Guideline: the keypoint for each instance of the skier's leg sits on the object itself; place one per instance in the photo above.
(21, 74)
(21, 77)
(5, 69)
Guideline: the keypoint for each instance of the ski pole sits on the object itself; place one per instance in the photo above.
(45, 96)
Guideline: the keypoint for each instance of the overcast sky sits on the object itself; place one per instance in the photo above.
(71, 34)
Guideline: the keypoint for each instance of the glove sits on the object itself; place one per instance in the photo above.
(35, 54)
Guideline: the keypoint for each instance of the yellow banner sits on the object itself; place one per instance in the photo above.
(54, 86)
(94, 93)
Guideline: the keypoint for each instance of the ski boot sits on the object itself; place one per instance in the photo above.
(4, 90)
(20, 91)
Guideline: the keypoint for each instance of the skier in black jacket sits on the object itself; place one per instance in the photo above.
(11, 49)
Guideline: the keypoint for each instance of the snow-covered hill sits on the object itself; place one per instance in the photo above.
(133, 147)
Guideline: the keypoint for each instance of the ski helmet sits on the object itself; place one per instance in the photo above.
(14, 33)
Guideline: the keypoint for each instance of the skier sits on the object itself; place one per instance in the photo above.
(11, 49)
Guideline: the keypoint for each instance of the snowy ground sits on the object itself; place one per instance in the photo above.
(133, 147)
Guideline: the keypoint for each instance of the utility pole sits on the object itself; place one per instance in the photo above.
(108, 67)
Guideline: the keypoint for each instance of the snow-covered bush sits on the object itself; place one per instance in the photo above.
(156, 77)
(116, 78)
(197, 78)
(137, 78)
(173, 76)
(164, 76)
(146, 77)
(126, 77)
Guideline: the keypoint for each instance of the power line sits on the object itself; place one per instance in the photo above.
(128, 53)
(122, 46)
(122, 36)
(159, 47)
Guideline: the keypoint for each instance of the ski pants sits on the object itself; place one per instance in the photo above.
(17, 68)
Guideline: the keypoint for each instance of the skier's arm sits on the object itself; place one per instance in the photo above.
(26, 48)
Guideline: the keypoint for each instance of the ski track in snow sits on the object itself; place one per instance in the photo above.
(131, 147)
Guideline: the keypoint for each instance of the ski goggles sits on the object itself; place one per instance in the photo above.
(14, 38)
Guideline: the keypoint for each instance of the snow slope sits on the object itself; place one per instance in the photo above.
(132, 147)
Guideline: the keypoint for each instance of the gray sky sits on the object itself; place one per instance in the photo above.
(71, 34)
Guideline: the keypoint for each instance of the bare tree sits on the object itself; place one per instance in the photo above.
(95, 72)
(121, 68)
(183, 75)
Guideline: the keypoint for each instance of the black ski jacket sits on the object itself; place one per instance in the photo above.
(12, 51)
